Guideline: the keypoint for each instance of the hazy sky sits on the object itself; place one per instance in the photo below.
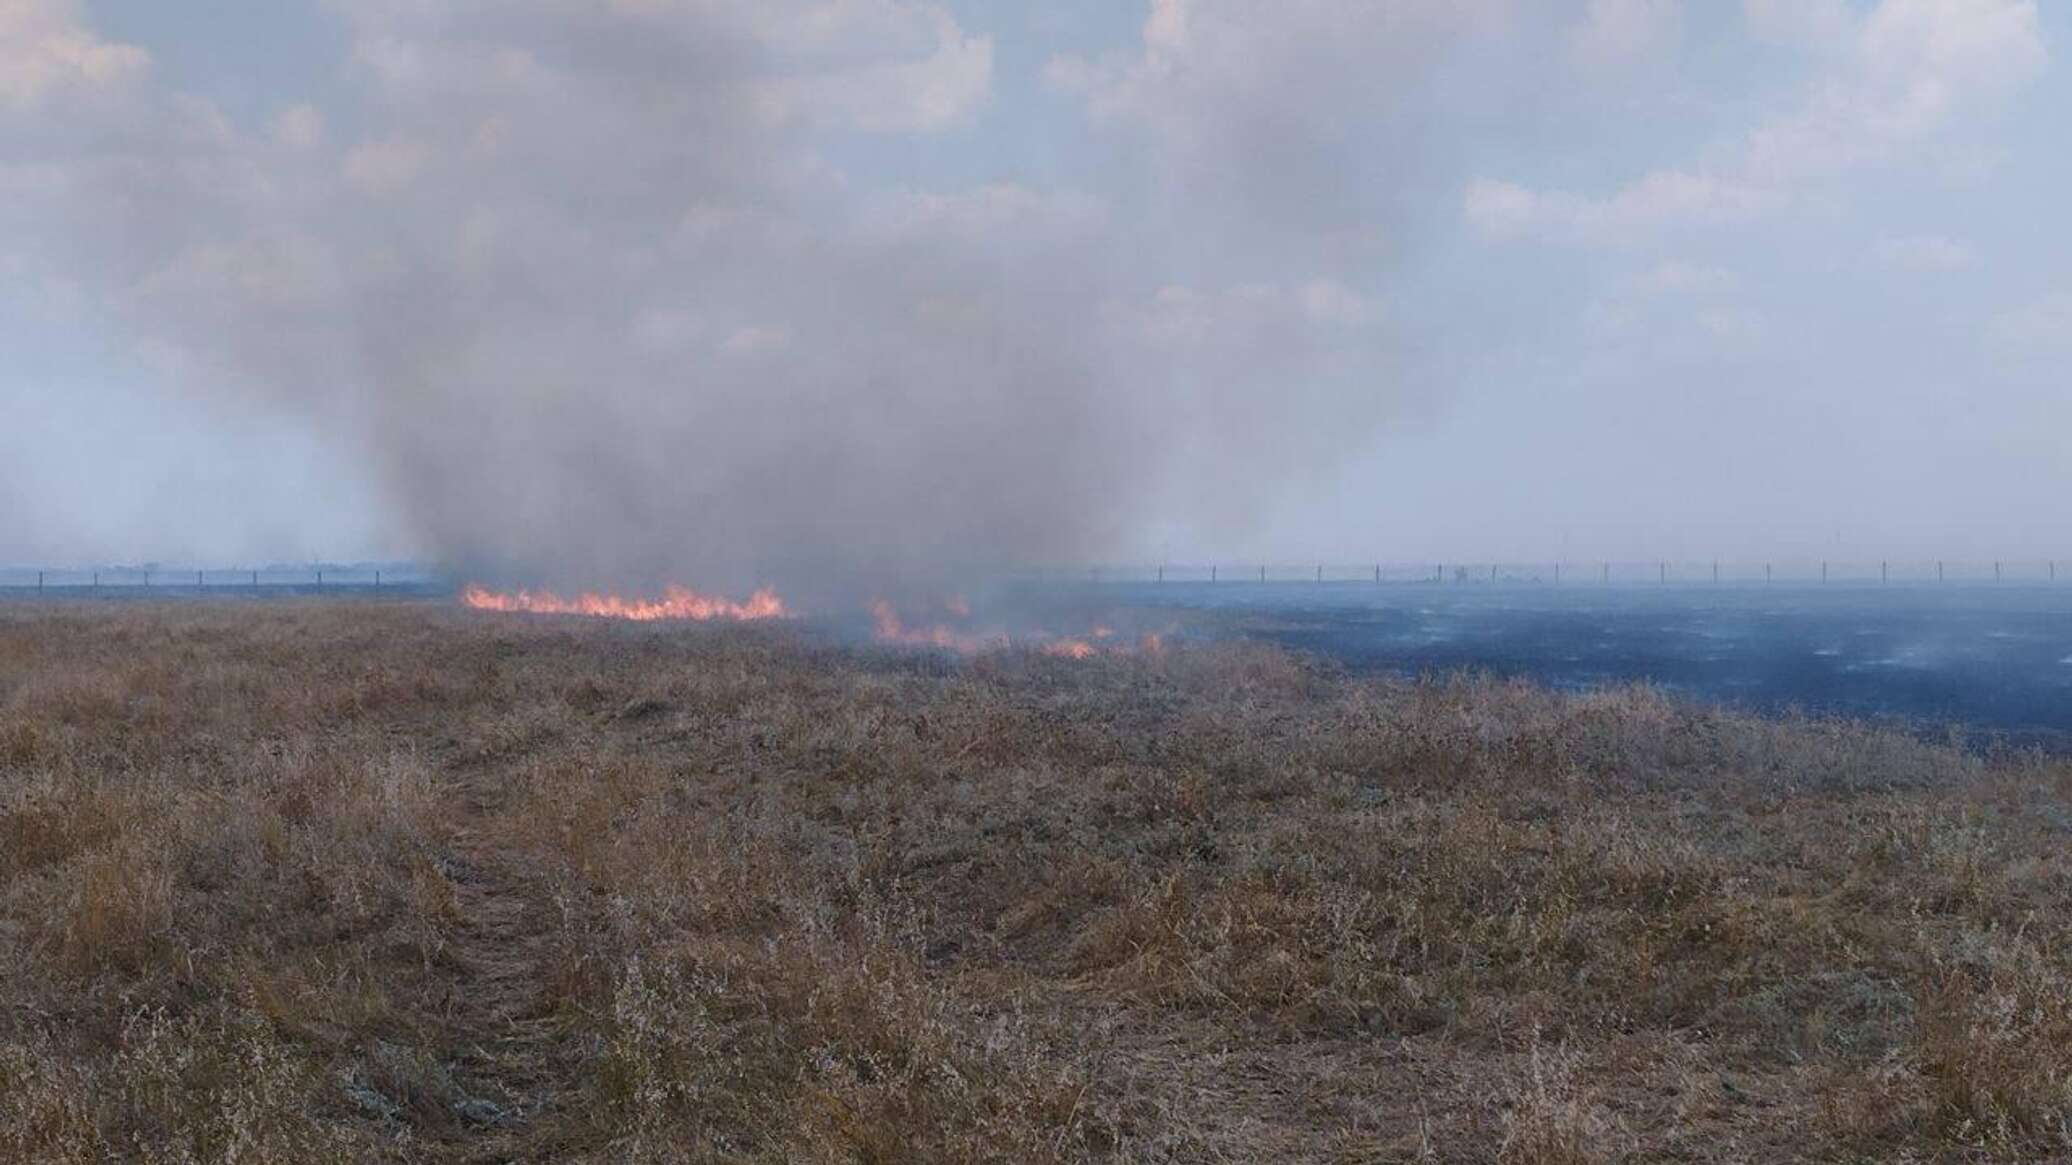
(732, 288)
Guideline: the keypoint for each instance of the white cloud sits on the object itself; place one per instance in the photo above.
(1503, 209)
(45, 47)
(1924, 253)
(1198, 319)
(1740, 325)
(1001, 212)
(2046, 323)
(1617, 31)
(279, 269)
(1328, 301)
(1673, 278)
(881, 66)
(1198, 56)
(756, 339)
(1903, 73)
(1814, 24)
(299, 127)
(385, 167)
(1914, 66)
(666, 329)
(877, 66)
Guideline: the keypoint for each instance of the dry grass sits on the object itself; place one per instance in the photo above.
(310, 882)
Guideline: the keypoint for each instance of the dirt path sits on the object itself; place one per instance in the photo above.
(497, 1036)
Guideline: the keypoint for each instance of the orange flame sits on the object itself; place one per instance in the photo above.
(676, 603)
(891, 629)
(1101, 640)
(1070, 649)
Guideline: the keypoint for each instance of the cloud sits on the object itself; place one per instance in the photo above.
(2044, 324)
(1506, 209)
(45, 48)
(1003, 213)
(873, 65)
(1812, 24)
(1673, 278)
(755, 339)
(385, 167)
(1740, 325)
(1924, 253)
(1618, 31)
(1180, 317)
(299, 127)
(1201, 59)
(1901, 74)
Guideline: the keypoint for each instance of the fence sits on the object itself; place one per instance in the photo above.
(1580, 573)
(401, 578)
(189, 580)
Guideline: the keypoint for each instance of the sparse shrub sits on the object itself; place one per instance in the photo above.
(1550, 1118)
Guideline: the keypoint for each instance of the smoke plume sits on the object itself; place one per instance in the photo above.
(588, 290)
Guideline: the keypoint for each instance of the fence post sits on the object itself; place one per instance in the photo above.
(1823, 572)
(1492, 573)
(1557, 574)
(1996, 572)
(1662, 572)
(198, 583)
(1262, 574)
(1607, 574)
(147, 580)
(377, 580)
(1320, 572)
(97, 580)
(1715, 571)
(1377, 572)
(1938, 570)
(320, 580)
(1884, 572)
(39, 582)
(1161, 574)
(1767, 577)
(1212, 574)
(255, 580)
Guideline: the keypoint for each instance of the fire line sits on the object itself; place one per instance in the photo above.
(676, 603)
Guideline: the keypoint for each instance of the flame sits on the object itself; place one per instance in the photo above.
(1103, 641)
(1070, 649)
(889, 627)
(676, 603)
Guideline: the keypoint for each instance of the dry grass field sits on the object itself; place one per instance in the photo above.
(329, 881)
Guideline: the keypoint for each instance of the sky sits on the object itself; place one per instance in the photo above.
(712, 291)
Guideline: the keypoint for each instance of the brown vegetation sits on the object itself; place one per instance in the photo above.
(334, 882)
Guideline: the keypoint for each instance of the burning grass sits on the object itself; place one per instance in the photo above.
(335, 882)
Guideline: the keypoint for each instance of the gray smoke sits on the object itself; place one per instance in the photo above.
(581, 285)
